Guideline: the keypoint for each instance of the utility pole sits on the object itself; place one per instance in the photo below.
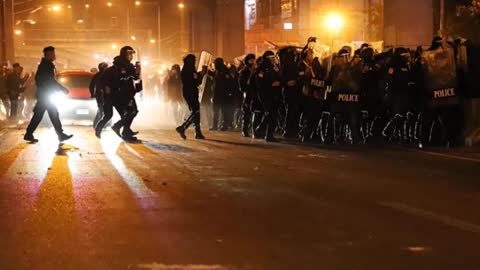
(7, 49)
(441, 31)
(3, 44)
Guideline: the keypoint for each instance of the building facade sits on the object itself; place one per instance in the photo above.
(291, 22)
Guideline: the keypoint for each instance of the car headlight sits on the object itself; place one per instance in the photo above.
(58, 99)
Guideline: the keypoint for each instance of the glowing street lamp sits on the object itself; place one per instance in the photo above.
(138, 3)
(181, 5)
(87, 6)
(114, 46)
(18, 32)
(334, 22)
(152, 41)
(109, 4)
(56, 8)
(133, 38)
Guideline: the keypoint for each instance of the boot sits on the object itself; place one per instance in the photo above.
(181, 131)
(29, 137)
(199, 135)
(63, 137)
(116, 129)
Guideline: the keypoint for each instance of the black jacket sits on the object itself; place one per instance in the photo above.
(223, 86)
(191, 79)
(96, 85)
(45, 80)
(265, 76)
(14, 85)
(120, 78)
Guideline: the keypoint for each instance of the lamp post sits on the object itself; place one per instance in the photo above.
(159, 25)
(334, 22)
(7, 32)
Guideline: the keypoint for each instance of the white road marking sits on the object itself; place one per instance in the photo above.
(443, 219)
(452, 156)
(159, 266)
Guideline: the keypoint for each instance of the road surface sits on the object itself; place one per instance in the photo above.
(233, 203)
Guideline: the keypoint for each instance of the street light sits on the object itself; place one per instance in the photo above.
(138, 3)
(334, 22)
(152, 41)
(109, 4)
(56, 8)
(87, 6)
(18, 32)
(181, 5)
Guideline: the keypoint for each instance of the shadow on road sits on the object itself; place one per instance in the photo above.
(241, 144)
(63, 149)
(167, 147)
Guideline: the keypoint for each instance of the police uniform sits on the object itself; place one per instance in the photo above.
(268, 82)
(246, 82)
(191, 79)
(119, 93)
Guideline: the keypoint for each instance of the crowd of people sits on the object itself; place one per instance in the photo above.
(348, 97)
(17, 92)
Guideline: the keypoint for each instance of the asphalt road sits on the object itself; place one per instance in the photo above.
(233, 203)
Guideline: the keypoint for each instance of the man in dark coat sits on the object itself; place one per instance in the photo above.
(46, 86)
(15, 87)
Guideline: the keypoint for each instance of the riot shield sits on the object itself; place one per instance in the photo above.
(440, 77)
(205, 60)
(345, 87)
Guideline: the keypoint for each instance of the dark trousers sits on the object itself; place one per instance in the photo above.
(269, 120)
(38, 112)
(311, 118)
(247, 113)
(441, 126)
(13, 107)
(100, 112)
(222, 115)
(194, 118)
(128, 111)
(349, 118)
(108, 104)
(293, 107)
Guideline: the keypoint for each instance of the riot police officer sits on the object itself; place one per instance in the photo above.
(191, 79)
(247, 86)
(268, 83)
(96, 91)
(120, 89)
(315, 89)
(222, 93)
(402, 81)
(292, 93)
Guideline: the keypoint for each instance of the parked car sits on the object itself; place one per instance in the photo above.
(78, 104)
